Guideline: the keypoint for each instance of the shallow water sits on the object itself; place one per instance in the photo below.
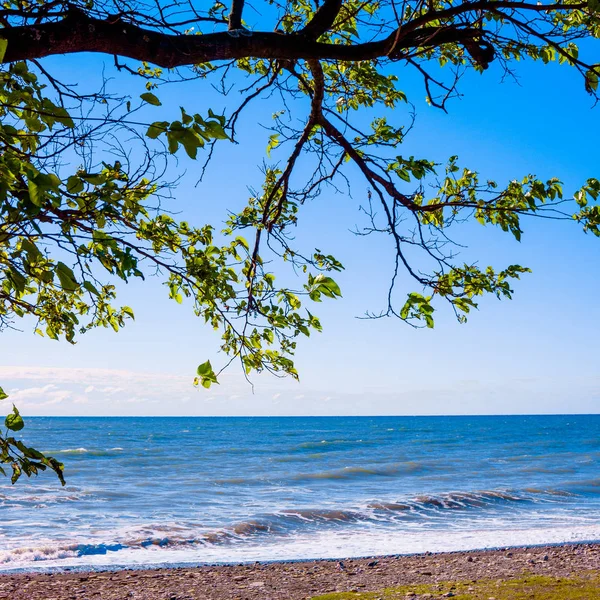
(160, 490)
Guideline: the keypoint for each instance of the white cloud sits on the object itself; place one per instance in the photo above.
(38, 397)
(80, 391)
(111, 390)
(65, 391)
(136, 400)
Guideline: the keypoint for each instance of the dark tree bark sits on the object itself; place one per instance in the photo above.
(81, 33)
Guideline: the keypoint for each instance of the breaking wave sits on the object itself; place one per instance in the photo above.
(86, 451)
(288, 522)
(354, 472)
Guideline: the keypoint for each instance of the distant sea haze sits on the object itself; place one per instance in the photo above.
(151, 491)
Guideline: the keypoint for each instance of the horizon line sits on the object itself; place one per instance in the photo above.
(574, 414)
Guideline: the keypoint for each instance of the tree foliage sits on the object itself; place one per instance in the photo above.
(80, 210)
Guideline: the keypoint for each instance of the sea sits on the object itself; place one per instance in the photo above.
(187, 491)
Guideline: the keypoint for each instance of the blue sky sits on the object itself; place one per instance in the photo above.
(536, 353)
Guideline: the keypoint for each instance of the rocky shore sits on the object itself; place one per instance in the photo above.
(302, 580)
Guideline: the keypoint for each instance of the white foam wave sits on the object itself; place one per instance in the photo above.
(28, 555)
(308, 545)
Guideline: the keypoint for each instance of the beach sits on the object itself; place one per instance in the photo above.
(310, 579)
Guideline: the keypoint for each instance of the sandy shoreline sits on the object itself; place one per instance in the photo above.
(300, 580)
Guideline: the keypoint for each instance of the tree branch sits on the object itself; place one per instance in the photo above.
(235, 14)
(322, 20)
(79, 32)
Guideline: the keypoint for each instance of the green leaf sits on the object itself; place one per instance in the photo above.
(91, 288)
(150, 99)
(74, 185)
(3, 47)
(16, 472)
(66, 277)
(403, 174)
(62, 116)
(18, 280)
(215, 130)
(156, 129)
(127, 310)
(205, 369)
(34, 192)
(591, 77)
(221, 118)
(30, 452)
(404, 312)
(294, 301)
(95, 178)
(327, 286)
(185, 118)
(14, 421)
(206, 374)
(191, 142)
(173, 143)
(3, 394)
(31, 249)
(273, 143)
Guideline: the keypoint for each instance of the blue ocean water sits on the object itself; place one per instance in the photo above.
(208, 490)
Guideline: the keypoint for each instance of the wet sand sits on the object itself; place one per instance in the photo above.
(301, 580)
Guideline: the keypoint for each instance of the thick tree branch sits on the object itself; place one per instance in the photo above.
(323, 19)
(80, 33)
(235, 14)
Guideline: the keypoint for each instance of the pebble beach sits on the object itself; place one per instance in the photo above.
(303, 580)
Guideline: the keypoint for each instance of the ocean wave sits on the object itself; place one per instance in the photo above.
(43, 498)
(236, 481)
(390, 506)
(560, 493)
(293, 458)
(356, 471)
(331, 445)
(56, 551)
(69, 451)
(96, 452)
(484, 499)
(548, 470)
(289, 522)
(311, 515)
(464, 500)
(585, 486)
(38, 553)
(172, 536)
